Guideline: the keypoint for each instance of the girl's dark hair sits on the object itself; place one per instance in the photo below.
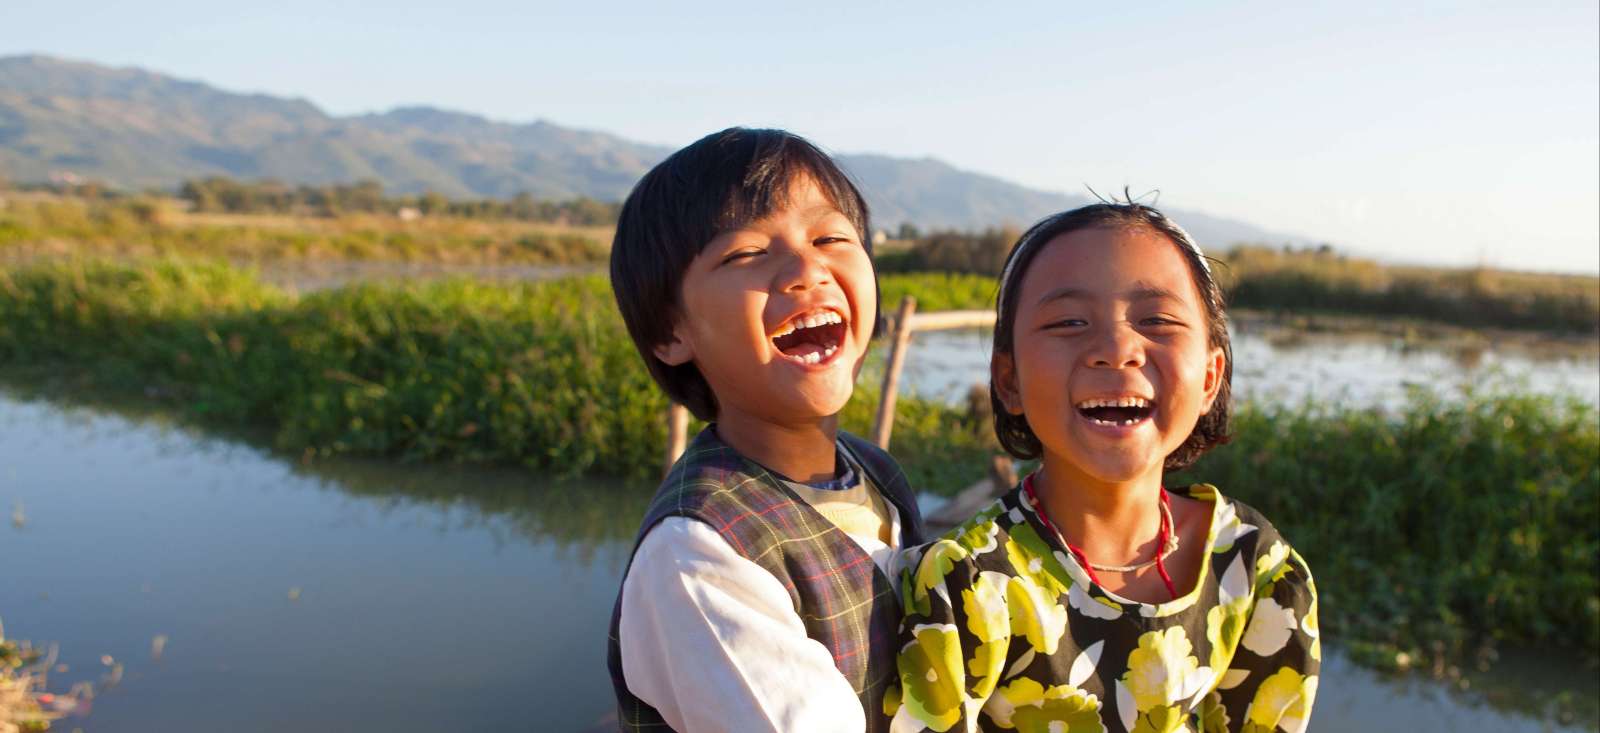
(720, 182)
(1213, 427)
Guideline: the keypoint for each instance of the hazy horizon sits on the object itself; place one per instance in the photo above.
(1442, 134)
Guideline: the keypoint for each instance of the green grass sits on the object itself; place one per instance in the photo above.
(1442, 527)
(1439, 526)
(1262, 277)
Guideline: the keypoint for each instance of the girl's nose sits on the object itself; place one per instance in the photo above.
(1115, 346)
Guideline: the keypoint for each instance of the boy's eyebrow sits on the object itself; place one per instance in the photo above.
(1147, 292)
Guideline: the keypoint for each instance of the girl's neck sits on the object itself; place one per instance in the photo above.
(1110, 521)
(803, 451)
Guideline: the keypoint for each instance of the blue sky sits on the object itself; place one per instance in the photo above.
(1458, 133)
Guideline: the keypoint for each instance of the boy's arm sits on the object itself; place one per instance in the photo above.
(712, 641)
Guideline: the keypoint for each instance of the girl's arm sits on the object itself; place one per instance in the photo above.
(712, 641)
(1271, 682)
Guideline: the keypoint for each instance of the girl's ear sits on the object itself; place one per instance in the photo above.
(1003, 375)
(1216, 365)
(676, 350)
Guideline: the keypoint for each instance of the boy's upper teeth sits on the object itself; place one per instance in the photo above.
(1116, 402)
(809, 320)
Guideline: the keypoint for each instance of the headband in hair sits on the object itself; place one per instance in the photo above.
(1178, 233)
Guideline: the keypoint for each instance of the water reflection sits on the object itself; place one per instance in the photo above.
(339, 596)
(1520, 695)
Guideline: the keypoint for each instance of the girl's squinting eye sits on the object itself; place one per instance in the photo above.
(1065, 323)
(1160, 321)
(831, 239)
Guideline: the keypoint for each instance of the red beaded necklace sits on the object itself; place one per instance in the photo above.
(1162, 535)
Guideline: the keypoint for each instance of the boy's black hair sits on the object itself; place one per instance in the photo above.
(720, 182)
(1212, 429)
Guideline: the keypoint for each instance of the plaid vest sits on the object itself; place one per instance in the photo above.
(842, 599)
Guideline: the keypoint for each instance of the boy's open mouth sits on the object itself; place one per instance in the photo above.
(812, 337)
(1116, 411)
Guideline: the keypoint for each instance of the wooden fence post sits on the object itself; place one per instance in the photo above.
(884, 422)
(677, 434)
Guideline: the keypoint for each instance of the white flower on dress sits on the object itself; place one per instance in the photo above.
(1091, 606)
(1270, 628)
(1229, 528)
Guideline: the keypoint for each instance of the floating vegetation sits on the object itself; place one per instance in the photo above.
(25, 702)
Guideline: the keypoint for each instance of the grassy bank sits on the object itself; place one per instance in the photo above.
(39, 225)
(1433, 528)
(1322, 280)
(1267, 278)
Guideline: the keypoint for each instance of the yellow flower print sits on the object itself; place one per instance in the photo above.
(930, 677)
(978, 534)
(1035, 614)
(1225, 623)
(1229, 528)
(1161, 669)
(1310, 625)
(1029, 707)
(988, 620)
(1031, 558)
(1163, 719)
(1213, 715)
(1283, 701)
(937, 562)
(1272, 566)
(1271, 625)
(1093, 606)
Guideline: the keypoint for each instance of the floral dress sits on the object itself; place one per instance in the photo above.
(1004, 630)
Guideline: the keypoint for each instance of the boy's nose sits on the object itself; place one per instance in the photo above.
(803, 269)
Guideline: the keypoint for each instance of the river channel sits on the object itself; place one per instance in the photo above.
(242, 591)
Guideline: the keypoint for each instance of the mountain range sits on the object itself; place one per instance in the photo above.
(137, 129)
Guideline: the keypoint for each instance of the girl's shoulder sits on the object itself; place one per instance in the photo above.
(972, 543)
(1233, 522)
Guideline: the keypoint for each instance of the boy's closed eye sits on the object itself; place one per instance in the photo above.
(742, 254)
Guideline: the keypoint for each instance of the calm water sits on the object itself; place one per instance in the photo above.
(1275, 364)
(369, 596)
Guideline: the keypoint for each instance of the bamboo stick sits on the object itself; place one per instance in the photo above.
(942, 320)
(883, 424)
(677, 434)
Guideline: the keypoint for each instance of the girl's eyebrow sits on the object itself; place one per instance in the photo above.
(1147, 292)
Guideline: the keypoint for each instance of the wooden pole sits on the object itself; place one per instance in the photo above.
(884, 423)
(677, 434)
(942, 320)
(1003, 472)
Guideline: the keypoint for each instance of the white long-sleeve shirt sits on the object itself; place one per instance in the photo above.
(712, 641)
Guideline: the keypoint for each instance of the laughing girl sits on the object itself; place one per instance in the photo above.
(1092, 597)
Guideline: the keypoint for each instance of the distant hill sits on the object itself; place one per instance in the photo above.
(140, 129)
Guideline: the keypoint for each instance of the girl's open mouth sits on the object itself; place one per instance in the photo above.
(811, 338)
(1120, 412)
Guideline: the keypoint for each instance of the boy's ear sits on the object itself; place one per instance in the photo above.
(1003, 375)
(1216, 363)
(675, 350)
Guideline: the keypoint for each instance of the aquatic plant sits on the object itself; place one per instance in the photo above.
(25, 704)
(1437, 528)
